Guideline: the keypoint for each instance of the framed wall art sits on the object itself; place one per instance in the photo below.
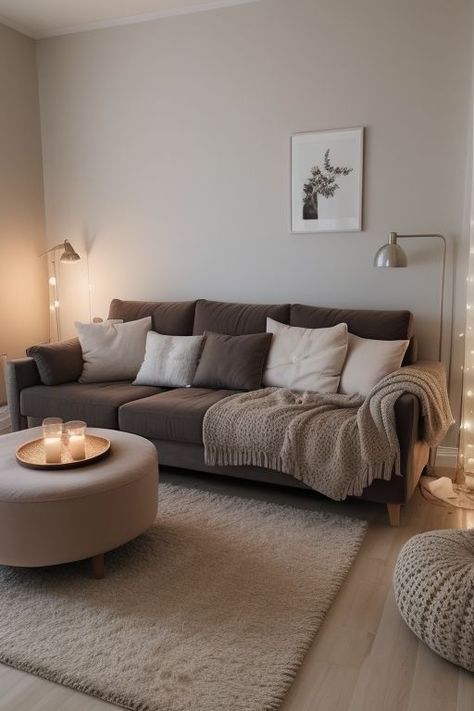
(326, 181)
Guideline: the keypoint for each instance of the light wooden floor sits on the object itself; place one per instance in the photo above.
(364, 657)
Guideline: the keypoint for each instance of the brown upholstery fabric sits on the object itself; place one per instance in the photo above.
(232, 362)
(366, 323)
(172, 318)
(58, 362)
(19, 374)
(236, 319)
(175, 415)
(94, 403)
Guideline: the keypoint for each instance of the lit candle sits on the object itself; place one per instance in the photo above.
(76, 439)
(52, 450)
(77, 446)
(52, 439)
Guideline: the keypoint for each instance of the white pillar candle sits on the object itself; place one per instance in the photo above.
(77, 446)
(52, 450)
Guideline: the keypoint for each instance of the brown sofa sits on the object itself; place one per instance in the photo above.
(172, 418)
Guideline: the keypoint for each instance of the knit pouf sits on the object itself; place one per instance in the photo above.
(434, 590)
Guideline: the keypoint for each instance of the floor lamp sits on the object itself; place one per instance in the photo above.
(391, 255)
(68, 256)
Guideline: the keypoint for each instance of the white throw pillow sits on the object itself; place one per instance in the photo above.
(170, 361)
(368, 361)
(112, 351)
(305, 358)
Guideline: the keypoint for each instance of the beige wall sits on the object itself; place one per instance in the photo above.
(23, 297)
(166, 152)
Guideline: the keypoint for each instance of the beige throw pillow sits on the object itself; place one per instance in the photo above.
(170, 361)
(305, 358)
(112, 351)
(368, 361)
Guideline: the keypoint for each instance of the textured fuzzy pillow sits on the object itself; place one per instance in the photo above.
(112, 351)
(170, 361)
(368, 361)
(305, 358)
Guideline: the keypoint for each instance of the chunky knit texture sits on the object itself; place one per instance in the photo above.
(434, 590)
(336, 444)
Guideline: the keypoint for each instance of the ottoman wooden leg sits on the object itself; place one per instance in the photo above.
(98, 569)
(394, 514)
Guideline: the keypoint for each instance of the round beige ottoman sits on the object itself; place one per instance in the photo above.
(49, 517)
(434, 590)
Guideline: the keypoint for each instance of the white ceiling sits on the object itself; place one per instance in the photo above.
(46, 18)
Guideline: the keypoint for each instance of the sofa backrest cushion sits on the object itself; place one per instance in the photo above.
(172, 318)
(366, 323)
(237, 319)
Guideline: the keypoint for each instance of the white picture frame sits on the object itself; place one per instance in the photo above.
(326, 181)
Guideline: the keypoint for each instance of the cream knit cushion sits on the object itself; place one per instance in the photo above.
(434, 590)
(170, 361)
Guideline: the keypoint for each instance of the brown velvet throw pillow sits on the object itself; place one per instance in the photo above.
(57, 362)
(232, 362)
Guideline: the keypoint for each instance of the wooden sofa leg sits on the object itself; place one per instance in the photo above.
(98, 566)
(394, 514)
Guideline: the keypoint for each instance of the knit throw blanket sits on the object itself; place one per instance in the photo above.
(335, 444)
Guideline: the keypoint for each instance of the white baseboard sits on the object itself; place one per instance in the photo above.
(447, 457)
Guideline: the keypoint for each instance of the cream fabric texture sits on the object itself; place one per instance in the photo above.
(336, 444)
(367, 362)
(305, 358)
(434, 590)
(112, 351)
(170, 361)
(49, 517)
(204, 612)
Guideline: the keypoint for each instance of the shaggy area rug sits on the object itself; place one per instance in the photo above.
(212, 610)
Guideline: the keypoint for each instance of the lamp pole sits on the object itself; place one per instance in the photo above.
(442, 238)
(392, 255)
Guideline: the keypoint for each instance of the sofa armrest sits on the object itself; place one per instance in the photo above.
(59, 362)
(20, 374)
(408, 423)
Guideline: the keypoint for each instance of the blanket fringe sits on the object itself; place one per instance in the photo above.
(216, 457)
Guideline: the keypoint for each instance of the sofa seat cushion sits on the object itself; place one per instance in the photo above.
(175, 415)
(94, 403)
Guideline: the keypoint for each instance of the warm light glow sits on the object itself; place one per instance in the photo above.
(56, 304)
(52, 281)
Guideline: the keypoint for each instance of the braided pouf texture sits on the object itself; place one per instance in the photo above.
(434, 590)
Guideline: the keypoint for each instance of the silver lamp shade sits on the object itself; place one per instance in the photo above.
(390, 254)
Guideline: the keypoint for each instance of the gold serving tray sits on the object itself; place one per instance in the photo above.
(31, 454)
